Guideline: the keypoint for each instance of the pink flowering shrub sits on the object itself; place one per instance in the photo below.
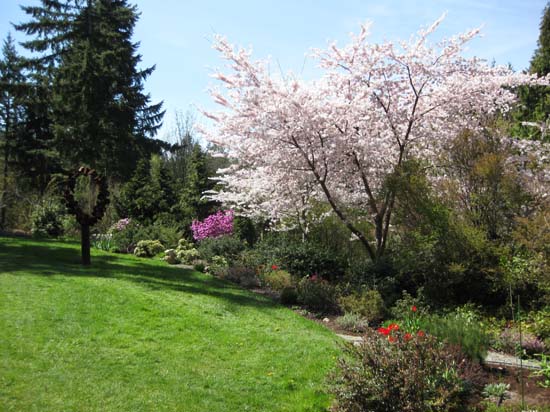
(218, 224)
(121, 224)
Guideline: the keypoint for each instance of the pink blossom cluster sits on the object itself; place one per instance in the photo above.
(121, 224)
(218, 224)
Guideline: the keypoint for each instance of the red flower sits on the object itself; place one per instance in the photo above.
(420, 333)
(313, 277)
(393, 326)
(384, 331)
(414, 309)
(274, 267)
(407, 336)
(391, 338)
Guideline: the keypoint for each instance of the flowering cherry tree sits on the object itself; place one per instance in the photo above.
(339, 138)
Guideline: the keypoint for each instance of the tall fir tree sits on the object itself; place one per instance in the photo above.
(101, 116)
(533, 112)
(12, 117)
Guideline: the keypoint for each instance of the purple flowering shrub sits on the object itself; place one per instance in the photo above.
(218, 224)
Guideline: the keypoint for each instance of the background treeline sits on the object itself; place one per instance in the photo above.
(77, 98)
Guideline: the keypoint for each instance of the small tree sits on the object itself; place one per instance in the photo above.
(89, 216)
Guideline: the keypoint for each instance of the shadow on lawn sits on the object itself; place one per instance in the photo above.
(24, 257)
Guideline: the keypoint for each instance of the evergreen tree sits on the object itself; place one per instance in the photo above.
(101, 115)
(533, 112)
(193, 204)
(12, 114)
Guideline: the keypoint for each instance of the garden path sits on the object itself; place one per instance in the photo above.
(493, 358)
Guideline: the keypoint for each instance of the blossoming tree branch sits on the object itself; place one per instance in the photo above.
(338, 139)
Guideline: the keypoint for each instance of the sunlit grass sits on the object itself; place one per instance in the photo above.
(129, 334)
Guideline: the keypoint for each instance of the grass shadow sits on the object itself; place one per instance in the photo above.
(48, 258)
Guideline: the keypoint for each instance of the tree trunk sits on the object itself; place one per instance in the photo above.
(85, 244)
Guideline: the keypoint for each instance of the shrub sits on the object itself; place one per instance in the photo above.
(227, 246)
(199, 267)
(126, 239)
(353, 322)
(289, 296)
(317, 294)
(218, 266)
(368, 304)
(403, 373)
(243, 275)
(47, 218)
(541, 323)
(509, 341)
(187, 256)
(454, 329)
(277, 280)
(302, 258)
(148, 248)
(215, 225)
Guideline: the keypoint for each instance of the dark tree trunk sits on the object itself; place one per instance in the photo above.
(85, 243)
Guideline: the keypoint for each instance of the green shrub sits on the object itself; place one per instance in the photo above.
(469, 335)
(413, 374)
(125, 240)
(227, 246)
(148, 248)
(368, 304)
(218, 266)
(302, 258)
(353, 322)
(187, 256)
(289, 296)
(541, 322)
(317, 294)
(243, 275)
(48, 217)
(199, 267)
(277, 280)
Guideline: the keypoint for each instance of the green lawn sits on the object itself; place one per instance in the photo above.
(130, 334)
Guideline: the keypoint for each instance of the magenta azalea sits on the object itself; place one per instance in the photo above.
(218, 224)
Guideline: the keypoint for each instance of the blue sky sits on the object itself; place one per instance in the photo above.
(176, 35)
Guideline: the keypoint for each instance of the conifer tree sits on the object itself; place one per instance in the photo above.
(101, 115)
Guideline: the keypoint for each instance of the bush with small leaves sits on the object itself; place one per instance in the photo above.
(368, 304)
(352, 322)
(218, 266)
(277, 279)
(148, 248)
(289, 296)
(243, 275)
(317, 294)
(397, 372)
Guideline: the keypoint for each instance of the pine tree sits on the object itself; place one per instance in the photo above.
(12, 85)
(101, 115)
(193, 203)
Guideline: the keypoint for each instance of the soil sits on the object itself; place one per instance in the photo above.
(534, 395)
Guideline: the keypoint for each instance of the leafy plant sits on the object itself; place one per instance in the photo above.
(317, 294)
(400, 372)
(218, 266)
(368, 304)
(47, 218)
(242, 275)
(496, 391)
(227, 246)
(353, 322)
(544, 370)
(148, 248)
(277, 280)
(454, 329)
(289, 296)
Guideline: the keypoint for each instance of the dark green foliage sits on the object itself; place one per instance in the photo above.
(48, 217)
(100, 114)
(302, 258)
(466, 333)
(244, 229)
(149, 194)
(125, 241)
(534, 101)
(228, 247)
(289, 296)
(417, 375)
(318, 295)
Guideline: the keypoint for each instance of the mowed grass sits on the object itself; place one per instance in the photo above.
(130, 334)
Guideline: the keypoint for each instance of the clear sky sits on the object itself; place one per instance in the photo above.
(176, 34)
